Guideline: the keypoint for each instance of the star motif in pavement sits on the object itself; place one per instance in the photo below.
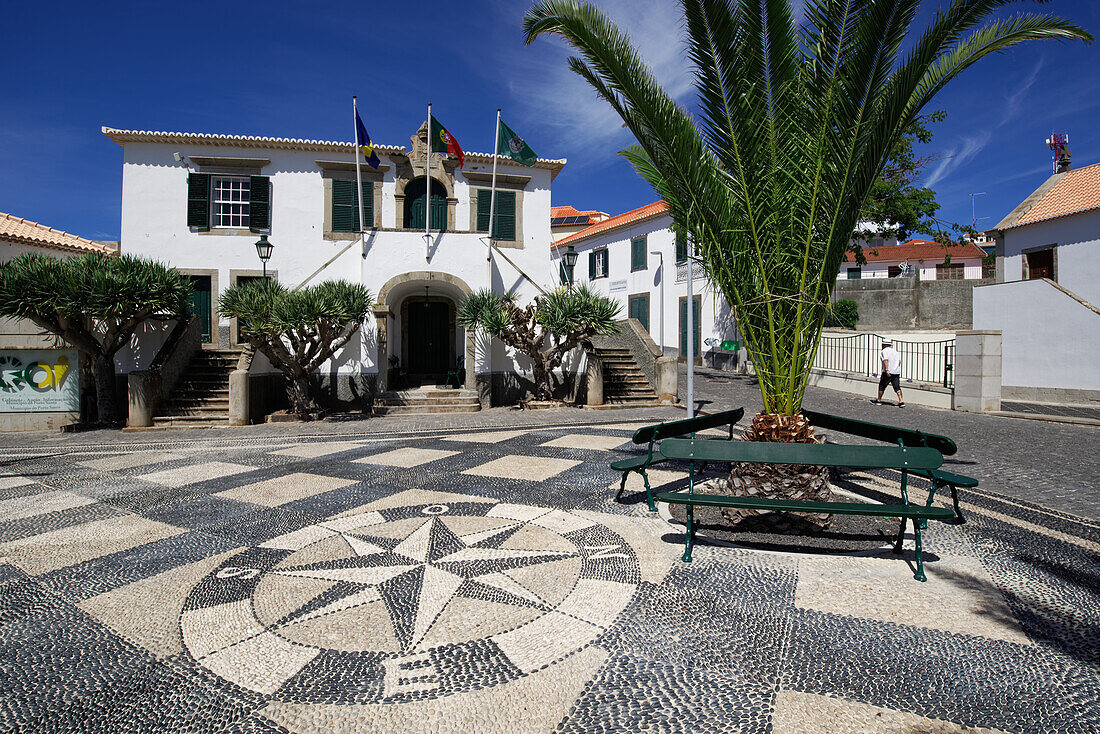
(417, 577)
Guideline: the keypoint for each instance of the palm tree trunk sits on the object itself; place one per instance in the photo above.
(103, 373)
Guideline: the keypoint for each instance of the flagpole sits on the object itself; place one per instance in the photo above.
(358, 174)
(428, 191)
(493, 189)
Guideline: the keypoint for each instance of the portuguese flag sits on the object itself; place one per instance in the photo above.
(514, 146)
(441, 141)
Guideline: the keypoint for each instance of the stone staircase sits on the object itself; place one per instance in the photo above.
(201, 397)
(624, 384)
(427, 401)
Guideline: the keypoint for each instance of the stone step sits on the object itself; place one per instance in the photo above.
(200, 392)
(427, 401)
(189, 421)
(178, 401)
(190, 412)
(424, 409)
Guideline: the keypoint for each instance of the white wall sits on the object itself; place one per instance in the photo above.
(154, 195)
(10, 250)
(1048, 339)
(926, 270)
(1077, 254)
(716, 321)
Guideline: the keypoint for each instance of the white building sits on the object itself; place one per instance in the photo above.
(1047, 301)
(925, 259)
(200, 201)
(616, 257)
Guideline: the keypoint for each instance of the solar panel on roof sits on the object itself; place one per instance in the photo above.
(572, 219)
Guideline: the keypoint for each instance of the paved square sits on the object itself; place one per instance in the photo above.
(531, 468)
(477, 588)
(280, 490)
(130, 461)
(586, 441)
(314, 450)
(181, 476)
(485, 437)
(406, 457)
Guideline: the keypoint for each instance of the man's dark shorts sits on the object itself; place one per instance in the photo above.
(888, 379)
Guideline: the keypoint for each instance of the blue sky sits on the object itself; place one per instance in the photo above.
(288, 69)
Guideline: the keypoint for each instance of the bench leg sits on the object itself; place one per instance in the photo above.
(901, 537)
(648, 491)
(622, 486)
(955, 502)
(689, 533)
(919, 575)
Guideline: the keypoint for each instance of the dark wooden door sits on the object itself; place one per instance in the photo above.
(200, 304)
(684, 328)
(428, 336)
(1040, 264)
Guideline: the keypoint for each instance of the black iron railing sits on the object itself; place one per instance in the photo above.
(931, 362)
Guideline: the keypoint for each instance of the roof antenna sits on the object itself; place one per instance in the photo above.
(1059, 145)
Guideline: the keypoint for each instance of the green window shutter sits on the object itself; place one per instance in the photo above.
(198, 200)
(681, 247)
(259, 203)
(506, 216)
(344, 211)
(639, 309)
(484, 197)
(591, 265)
(368, 205)
(637, 253)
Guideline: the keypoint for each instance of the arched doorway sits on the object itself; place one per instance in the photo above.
(428, 339)
(415, 205)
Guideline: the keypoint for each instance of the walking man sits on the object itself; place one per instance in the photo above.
(891, 372)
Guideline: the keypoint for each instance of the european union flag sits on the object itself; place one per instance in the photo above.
(363, 143)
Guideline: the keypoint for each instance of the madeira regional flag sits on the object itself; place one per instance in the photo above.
(362, 141)
(514, 146)
(441, 141)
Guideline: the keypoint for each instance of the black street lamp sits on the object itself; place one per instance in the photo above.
(263, 249)
(570, 263)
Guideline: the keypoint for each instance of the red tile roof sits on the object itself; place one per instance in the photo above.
(917, 250)
(17, 229)
(649, 211)
(1077, 191)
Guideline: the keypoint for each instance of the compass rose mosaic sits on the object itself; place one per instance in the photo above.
(410, 602)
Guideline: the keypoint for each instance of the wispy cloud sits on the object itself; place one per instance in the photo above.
(567, 109)
(970, 145)
(967, 149)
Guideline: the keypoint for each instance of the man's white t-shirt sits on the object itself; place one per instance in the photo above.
(892, 359)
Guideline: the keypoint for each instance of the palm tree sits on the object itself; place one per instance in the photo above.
(544, 331)
(297, 330)
(796, 123)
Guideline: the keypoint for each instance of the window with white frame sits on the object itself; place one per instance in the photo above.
(229, 202)
(597, 263)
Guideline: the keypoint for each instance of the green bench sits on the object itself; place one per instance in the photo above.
(904, 437)
(903, 458)
(650, 435)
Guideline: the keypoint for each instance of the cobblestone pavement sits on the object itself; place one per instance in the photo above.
(359, 578)
(1068, 411)
(1050, 465)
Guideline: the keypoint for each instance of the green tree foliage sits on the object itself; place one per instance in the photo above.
(545, 330)
(796, 124)
(95, 303)
(843, 314)
(299, 330)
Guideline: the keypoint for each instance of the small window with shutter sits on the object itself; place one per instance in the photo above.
(345, 206)
(505, 220)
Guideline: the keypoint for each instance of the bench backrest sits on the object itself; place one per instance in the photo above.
(810, 454)
(661, 431)
(876, 432)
